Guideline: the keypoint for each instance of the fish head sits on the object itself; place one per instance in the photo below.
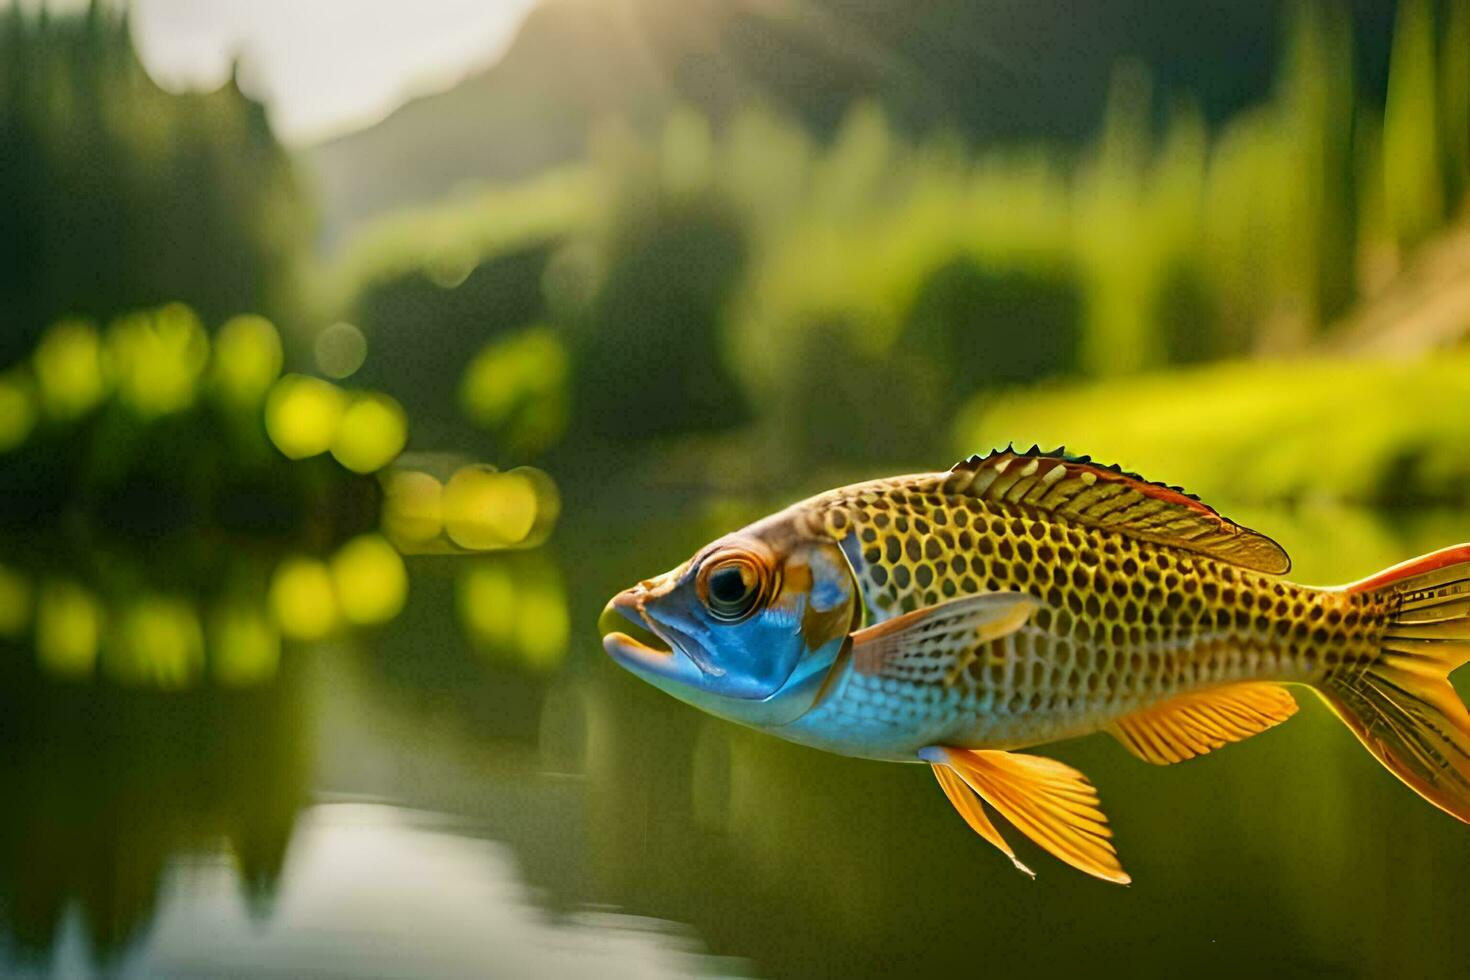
(746, 629)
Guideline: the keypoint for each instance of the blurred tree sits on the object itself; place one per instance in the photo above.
(649, 360)
(109, 788)
(1412, 175)
(634, 294)
(423, 330)
(745, 264)
(116, 194)
(1455, 95)
(986, 327)
(1188, 318)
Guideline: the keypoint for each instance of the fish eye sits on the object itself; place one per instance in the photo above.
(732, 587)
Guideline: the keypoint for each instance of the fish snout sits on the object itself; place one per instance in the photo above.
(652, 588)
(629, 602)
(627, 632)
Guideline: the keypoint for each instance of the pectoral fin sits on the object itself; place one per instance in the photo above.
(933, 644)
(1049, 802)
(1184, 727)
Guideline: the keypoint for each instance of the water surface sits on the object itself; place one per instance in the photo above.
(470, 792)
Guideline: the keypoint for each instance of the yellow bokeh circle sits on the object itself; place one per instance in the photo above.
(370, 581)
(302, 415)
(370, 434)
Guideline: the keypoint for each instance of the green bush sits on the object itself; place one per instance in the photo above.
(117, 195)
(1359, 431)
(847, 296)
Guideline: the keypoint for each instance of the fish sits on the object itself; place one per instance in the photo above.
(1024, 597)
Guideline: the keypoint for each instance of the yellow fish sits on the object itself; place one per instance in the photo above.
(1021, 598)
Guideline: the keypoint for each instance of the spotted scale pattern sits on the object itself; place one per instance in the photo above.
(1122, 623)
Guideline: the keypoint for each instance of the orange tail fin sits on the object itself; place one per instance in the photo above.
(1402, 707)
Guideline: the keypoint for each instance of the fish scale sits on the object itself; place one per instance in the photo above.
(1124, 623)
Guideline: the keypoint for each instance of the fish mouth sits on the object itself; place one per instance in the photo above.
(628, 634)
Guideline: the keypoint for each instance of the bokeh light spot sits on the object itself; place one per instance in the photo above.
(68, 626)
(371, 582)
(515, 609)
(485, 509)
(413, 506)
(449, 267)
(247, 358)
(517, 388)
(18, 409)
(543, 627)
(70, 369)
(572, 279)
(303, 599)
(302, 415)
(157, 357)
(371, 433)
(244, 646)
(486, 597)
(340, 349)
(15, 603)
(158, 642)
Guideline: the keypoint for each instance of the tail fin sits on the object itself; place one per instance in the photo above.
(1402, 706)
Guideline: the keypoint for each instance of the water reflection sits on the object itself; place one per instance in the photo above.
(440, 796)
(377, 891)
(109, 788)
(514, 608)
(140, 624)
(146, 428)
(441, 504)
(777, 846)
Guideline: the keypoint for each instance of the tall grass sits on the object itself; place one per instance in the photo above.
(1388, 433)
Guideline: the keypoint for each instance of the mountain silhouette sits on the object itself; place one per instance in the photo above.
(1004, 70)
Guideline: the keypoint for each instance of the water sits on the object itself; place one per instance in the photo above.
(442, 797)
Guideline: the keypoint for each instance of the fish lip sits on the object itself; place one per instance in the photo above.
(628, 606)
(673, 642)
(669, 657)
(628, 651)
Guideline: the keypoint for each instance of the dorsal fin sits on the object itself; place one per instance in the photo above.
(1078, 488)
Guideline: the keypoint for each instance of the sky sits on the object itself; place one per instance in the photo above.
(323, 67)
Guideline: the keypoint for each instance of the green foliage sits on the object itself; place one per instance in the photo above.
(448, 242)
(146, 426)
(1412, 181)
(847, 296)
(1454, 99)
(422, 332)
(648, 345)
(632, 273)
(1350, 430)
(995, 73)
(117, 195)
(517, 387)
